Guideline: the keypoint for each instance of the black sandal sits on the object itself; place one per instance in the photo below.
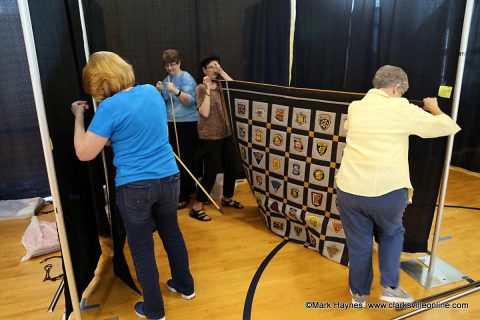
(232, 203)
(200, 215)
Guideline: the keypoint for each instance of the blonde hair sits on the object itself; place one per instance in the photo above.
(105, 74)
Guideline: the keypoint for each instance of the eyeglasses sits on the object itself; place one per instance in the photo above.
(170, 65)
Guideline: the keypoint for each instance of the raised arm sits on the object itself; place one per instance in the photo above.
(203, 97)
(185, 94)
(87, 144)
(431, 124)
(223, 73)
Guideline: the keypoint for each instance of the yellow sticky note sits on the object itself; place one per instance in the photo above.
(445, 91)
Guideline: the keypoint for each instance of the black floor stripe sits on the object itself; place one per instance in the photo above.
(247, 308)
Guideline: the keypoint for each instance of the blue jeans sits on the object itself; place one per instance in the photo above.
(139, 203)
(359, 215)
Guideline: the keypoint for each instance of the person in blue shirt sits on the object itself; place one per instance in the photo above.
(179, 87)
(134, 119)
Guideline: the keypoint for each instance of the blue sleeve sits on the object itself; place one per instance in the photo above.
(103, 123)
(189, 88)
(165, 92)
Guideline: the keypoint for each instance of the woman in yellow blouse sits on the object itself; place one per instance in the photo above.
(373, 183)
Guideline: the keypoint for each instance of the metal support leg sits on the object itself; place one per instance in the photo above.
(56, 296)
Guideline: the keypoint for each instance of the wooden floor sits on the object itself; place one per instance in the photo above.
(225, 254)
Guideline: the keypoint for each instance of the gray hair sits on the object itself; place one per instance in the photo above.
(389, 76)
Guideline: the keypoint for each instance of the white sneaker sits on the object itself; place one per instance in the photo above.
(395, 295)
(358, 300)
(185, 296)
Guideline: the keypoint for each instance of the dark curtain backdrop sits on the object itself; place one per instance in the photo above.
(22, 165)
(250, 36)
(267, 42)
(320, 44)
(140, 30)
(340, 44)
(79, 183)
(220, 29)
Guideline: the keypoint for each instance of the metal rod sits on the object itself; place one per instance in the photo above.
(198, 184)
(52, 305)
(448, 155)
(47, 151)
(410, 314)
(230, 113)
(445, 293)
(230, 109)
(293, 16)
(174, 122)
(86, 49)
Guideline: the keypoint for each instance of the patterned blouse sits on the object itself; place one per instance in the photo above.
(217, 125)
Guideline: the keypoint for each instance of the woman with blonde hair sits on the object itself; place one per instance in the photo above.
(134, 119)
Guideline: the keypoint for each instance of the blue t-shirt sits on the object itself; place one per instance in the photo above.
(183, 113)
(135, 122)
